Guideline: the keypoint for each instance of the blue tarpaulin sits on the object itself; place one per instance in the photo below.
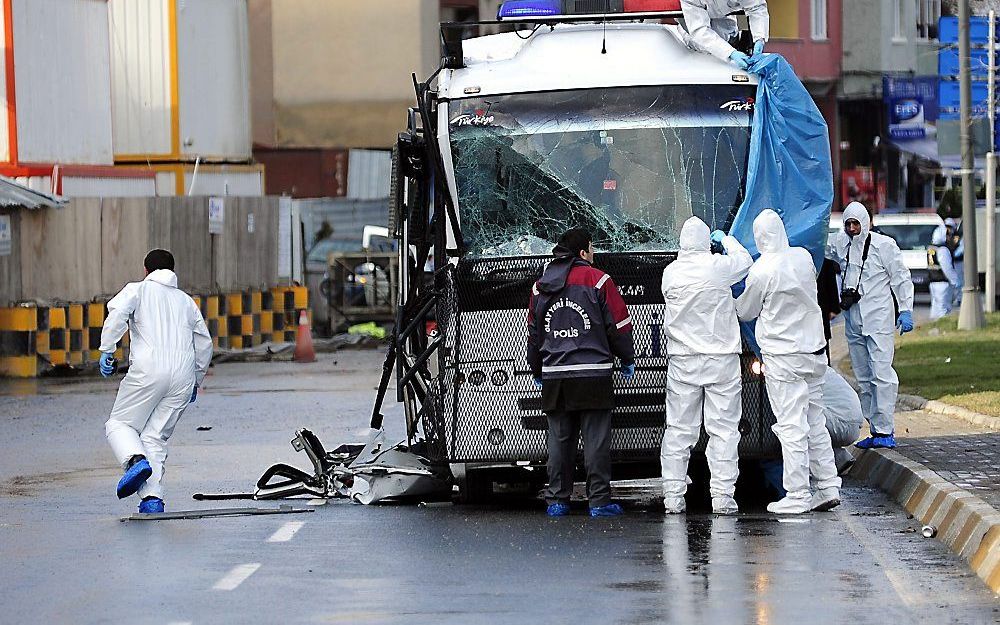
(790, 170)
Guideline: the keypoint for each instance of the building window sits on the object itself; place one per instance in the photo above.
(819, 20)
(928, 13)
(899, 20)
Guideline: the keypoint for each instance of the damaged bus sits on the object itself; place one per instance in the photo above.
(607, 122)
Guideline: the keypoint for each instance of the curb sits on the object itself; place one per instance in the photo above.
(966, 524)
(915, 402)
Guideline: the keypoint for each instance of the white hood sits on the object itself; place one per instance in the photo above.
(694, 236)
(164, 277)
(769, 232)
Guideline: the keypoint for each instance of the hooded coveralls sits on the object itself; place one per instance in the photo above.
(170, 350)
(942, 290)
(709, 27)
(781, 294)
(703, 347)
(871, 323)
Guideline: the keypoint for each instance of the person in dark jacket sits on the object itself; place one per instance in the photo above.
(577, 324)
(828, 296)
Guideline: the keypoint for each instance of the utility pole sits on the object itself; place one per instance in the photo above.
(991, 178)
(970, 315)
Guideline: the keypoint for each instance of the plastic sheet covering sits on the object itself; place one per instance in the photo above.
(790, 169)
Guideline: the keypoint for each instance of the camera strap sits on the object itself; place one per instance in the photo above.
(864, 259)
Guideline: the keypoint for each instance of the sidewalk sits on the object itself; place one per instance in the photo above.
(946, 473)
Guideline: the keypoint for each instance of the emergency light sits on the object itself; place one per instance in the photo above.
(513, 9)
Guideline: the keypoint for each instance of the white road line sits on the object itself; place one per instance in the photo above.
(179, 623)
(236, 576)
(898, 579)
(285, 532)
(316, 502)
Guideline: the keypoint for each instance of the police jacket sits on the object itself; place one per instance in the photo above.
(577, 322)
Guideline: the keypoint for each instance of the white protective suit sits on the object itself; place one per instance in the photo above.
(958, 260)
(942, 291)
(870, 325)
(170, 350)
(709, 27)
(703, 347)
(781, 294)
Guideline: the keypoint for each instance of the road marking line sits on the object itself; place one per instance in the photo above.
(236, 576)
(899, 581)
(316, 502)
(285, 532)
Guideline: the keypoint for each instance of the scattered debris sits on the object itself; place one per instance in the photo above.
(203, 428)
(368, 329)
(371, 473)
(212, 512)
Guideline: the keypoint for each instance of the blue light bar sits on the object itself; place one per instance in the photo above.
(529, 8)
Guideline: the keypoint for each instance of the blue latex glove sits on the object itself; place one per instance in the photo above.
(107, 364)
(758, 47)
(194, 394)
(538, 382)
(741, 60)
(905, 322)
(628, 371)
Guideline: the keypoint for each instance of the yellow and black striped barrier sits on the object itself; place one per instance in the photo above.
(35, 339)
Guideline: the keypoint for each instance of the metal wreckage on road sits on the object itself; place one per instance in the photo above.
(607, 122)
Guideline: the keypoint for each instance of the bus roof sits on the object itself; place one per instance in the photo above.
(569, 56)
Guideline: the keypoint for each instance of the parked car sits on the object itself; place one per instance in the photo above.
(912, 233)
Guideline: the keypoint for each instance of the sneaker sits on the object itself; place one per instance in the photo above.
(674, 505)
(884, 442)
(788, 505)
(612, 509)
(557, 509)
(724, 505)
(825, 499)
(151, 505)
(135, 476)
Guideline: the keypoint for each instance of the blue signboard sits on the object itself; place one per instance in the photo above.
(979, 29)
(979, 62)
(923, 88)
(949, 100)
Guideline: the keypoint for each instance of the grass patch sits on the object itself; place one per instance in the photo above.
(937, 361)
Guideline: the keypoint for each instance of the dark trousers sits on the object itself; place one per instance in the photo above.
(563, 439)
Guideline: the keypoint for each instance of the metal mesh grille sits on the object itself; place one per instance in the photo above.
(490, 406)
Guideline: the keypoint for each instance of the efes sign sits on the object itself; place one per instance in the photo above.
(906, 118)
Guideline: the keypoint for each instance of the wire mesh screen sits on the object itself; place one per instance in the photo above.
(490, 410)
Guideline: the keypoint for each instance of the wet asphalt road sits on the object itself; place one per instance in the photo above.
(68, 559)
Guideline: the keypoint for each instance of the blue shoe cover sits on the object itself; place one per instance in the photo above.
(612, 509)
(866, 443)
(135, 476)
(884, 442)
(557, 509)
(151, 505)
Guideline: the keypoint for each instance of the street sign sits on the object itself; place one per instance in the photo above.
(949, 100)
(216, 215)
(979, 62)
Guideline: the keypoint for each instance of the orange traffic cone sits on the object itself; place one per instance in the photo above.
(304, 351)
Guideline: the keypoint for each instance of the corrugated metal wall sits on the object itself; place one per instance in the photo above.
(62, 80)
(368, 173)
(347, 217)
(214, 78)
(140, 76)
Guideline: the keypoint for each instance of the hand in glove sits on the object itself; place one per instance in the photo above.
(715, 240)
(741, 60)
(758, 47)
(107, 364)
(904, 323)
(538, 382)
(628, 371)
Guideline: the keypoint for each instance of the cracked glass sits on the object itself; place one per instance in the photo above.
(628, 164)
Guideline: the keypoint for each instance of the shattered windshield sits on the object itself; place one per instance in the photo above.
(629, 164)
